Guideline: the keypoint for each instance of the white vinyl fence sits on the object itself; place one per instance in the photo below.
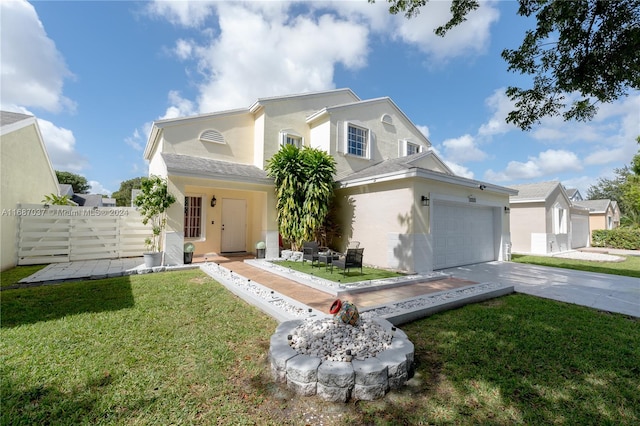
(64, 233)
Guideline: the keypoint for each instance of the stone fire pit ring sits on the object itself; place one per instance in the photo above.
(338, 381)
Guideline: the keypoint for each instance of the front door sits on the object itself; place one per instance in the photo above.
(234, 223)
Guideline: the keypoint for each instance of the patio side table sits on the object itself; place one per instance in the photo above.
(327, 258)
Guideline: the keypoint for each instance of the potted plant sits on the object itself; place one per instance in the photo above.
(153, 201)
(188, 253)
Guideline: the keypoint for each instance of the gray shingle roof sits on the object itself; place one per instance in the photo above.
(534, 191)
(8, 117)
(594, 205)
(386, 166)
(215, 169)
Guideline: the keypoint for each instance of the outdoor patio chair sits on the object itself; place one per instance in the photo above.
(353, 244)
(351, 260)
(310, 252)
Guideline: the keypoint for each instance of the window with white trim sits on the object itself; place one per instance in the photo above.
(289, 137)
(192, 217)
(413, 148)
(357, 141)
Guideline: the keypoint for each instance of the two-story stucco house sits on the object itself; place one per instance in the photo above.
(407, 209)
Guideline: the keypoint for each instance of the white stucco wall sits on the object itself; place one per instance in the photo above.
(27, 176)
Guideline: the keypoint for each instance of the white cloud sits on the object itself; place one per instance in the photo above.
(546, 163)
(460, 170)
(424, 130)
(60, 144)
(463, 149)
(135, 141)
(278, 56)
(180, 107)
(33, 70)
(97, 188)
(501, 105)
(183, 13)
(469, 38)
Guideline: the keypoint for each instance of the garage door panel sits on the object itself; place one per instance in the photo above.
(462, 235)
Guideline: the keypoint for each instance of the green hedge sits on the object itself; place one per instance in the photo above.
(620, 238)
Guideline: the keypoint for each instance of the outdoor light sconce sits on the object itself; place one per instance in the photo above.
(213, 201)
(472, 199)
(95, 207)
(507, 209)
(425, 200)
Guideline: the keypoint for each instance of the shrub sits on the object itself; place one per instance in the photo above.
(620, 238)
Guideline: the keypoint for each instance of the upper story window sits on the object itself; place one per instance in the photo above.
(413, 148)
(290, 137)
(212, 135)
(406, 147)
(357, 141)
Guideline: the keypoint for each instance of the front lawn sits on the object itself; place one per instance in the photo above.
(178, 348)
(630, 267)
(354, 275)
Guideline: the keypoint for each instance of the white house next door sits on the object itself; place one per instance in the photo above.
(234, 225)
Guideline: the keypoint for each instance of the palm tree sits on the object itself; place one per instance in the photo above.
(304, 187)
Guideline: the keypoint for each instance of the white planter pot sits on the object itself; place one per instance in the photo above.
(152, 259)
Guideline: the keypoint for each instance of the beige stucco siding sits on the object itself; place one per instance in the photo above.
(526, 219)
(27, 176)
(237, 130)
(261, 221)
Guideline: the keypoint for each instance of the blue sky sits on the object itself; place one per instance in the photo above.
(97, 74)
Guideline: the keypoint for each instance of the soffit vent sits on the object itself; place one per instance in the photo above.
(212, 136)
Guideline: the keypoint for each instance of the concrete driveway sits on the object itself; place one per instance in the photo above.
(605, 292)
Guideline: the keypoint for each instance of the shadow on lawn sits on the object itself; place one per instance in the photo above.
(35, 304)
(47, 404)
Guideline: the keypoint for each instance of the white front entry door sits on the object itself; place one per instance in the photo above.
(234, 224)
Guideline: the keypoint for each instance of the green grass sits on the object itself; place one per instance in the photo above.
(630, 267)
(178, 348)
(352, 276)
(11, 276)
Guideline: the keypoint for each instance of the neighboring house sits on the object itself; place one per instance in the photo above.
(407, 209)
(27, 176)
(603, 214)
(86, 200)
(545, 220)
(573, 194)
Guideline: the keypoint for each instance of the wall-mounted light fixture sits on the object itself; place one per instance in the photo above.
(213, 201)
(472, 199)
(424, 200)
(95, 207)
(482, 187)
(507, 209)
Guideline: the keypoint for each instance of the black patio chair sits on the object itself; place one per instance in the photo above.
(351, 260)
(310, 252)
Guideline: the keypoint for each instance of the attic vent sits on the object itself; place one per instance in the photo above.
(212, 136)
(386, 119)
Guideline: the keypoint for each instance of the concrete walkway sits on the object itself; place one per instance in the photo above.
(611, 293)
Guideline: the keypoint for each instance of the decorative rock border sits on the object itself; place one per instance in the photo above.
(367, 379)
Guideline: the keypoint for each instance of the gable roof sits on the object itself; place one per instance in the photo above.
(329, 109)
(262, 101)
(405, 167)
(12, 121)
(186, 165)
(532, 192)
(595, 206)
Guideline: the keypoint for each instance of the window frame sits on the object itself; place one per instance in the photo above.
(200, 225)
(366, 140)
(287, 134)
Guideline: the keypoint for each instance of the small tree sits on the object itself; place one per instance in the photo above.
(79, 183)
(153, 201)
(304, 188)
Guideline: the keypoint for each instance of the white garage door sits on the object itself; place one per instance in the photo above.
(579, 231)
(462, 235)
